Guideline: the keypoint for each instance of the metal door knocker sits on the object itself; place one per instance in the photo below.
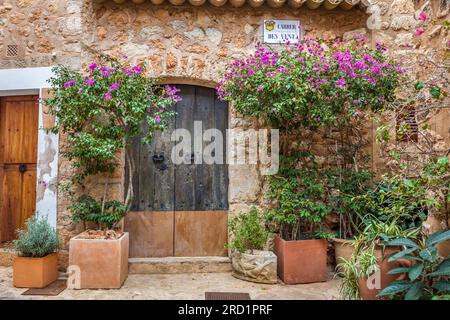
(22, 168)
(158, 160)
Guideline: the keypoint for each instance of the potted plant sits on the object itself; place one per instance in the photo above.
(388, 198)
(366, 273)
(100, 110)
(36, 264)
(428, 277)
(345, 185)
(300, 244)
(98, 258)
(249, 237)
(303, 90)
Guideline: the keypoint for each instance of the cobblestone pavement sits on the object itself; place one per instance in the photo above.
(190, 286)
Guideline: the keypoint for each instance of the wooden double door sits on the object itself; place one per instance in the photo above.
(18, 158)
(181, 209)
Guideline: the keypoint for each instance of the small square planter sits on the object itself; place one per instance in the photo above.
(259, 266)
(35, 272)
(99, 264)
(301, 261)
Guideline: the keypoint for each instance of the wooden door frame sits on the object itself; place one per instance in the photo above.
(33, 81)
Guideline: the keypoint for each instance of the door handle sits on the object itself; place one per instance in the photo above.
(158, 157)
(22, 168)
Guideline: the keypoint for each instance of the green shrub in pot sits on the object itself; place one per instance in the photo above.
(248, 232)
(37, 240)
(36, 263)
(249, 237)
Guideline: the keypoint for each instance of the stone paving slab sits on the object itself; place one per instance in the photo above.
(188, 286)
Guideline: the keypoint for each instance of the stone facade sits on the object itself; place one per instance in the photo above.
(187, 44)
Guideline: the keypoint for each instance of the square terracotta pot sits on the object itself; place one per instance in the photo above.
(98, 264)
(301, 261)
(35, 272)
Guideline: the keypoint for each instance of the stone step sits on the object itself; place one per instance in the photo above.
(167, 265)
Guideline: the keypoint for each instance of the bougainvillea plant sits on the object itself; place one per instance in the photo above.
(102, 108)
(311, 84)
(300, 89)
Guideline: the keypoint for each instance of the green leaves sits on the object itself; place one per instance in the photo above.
(419, 85)
(414, 292)
(428, 274)
(415, 271)
(437, 237)
(435, 92)
(402, 242)
(37, 240)
(248, 231)
(428, 253)
(442, 270)
(395, 287)
(401, 254)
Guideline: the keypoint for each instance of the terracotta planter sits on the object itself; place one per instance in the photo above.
(35, 272)
(343, 249)
(259, 266)
(368, 289)
(301, 261)
(98, 264)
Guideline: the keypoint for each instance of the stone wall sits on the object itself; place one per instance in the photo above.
(46, 32)
(192, 45)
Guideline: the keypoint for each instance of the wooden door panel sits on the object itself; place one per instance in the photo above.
(185, 173)
(163, 172)
(18, 145)
(11, 204)
(202, 184)
(151, 233)
(20, 129)
(201, 233)
(28, 199)
(220, 171)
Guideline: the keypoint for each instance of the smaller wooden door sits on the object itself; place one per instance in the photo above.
(18, 158)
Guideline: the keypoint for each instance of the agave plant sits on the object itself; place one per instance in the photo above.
(428, 276)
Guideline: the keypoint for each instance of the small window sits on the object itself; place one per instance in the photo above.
(407, 127)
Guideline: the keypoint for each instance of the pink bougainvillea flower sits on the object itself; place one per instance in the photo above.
(115, 86)
(260, 88)
(80, 91)
(423, 16)
(93, 66)
(157, 119)
(340, 82)
(419, 32)
(108, 96)
(89, 82)
(69, 83)
(136, 70)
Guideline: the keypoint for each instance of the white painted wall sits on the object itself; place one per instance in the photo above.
(31, 81)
